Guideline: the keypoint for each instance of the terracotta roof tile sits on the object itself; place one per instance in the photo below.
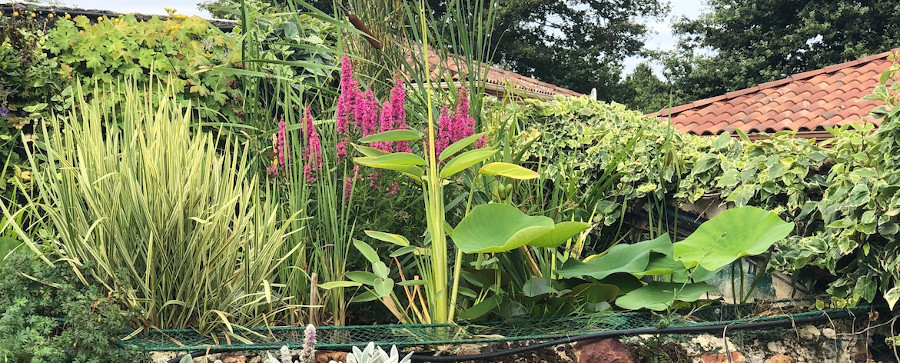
(496, 76)
(806, 101)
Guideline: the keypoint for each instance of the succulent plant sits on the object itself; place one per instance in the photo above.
(373, 354)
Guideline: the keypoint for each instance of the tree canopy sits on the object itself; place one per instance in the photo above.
(578, 44)
(742, 43)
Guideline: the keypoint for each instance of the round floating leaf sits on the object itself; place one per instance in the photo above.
(627, 258)
(660, 295)
(537, 286)
(560, 233)
(501, 227)
(738, 232)
(508, 170)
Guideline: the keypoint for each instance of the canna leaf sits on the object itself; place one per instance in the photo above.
(393, 135)
(465, 160)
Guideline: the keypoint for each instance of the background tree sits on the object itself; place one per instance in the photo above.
(741, 43)
(577, 44)
(643, 91)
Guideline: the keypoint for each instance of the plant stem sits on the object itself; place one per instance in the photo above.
(435, 203)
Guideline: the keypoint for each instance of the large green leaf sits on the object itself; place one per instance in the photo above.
(392, 135)
(459, 145)
(405, 168)
(388, 237)
(465, 160)
(738, 232)
(627, 258)
(559, 234)
(392, 158)
(369, 151)
(508, 170)
(660, 295)
(481, 309)
(501, 227)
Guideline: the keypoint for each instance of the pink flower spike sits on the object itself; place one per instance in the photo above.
(348, 97)
(366, 115)
(445, 131)
(398, 113)
(386, 124)
(313, 149)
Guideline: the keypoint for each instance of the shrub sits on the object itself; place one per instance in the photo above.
(48, 315)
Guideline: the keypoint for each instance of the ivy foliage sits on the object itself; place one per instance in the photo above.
(860, 208)
(840, 193)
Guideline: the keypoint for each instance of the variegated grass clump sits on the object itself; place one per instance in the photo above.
(174, 218)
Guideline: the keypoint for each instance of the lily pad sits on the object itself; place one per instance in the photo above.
(627, 258)
(661, 295)
(738, 232)
(501, 227)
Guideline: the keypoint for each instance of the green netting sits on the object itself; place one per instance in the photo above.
(340, 337)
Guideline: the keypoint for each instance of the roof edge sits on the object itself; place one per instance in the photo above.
(665, 112)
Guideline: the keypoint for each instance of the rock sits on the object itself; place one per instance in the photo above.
(468, 349)
(325, 357)
(780, 358)
(234, 359)
(809, 332)
(736, 357)
(609, 350)
(829, 333)
(775, 347)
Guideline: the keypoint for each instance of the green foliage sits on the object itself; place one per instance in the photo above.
(577, 45)
(860, 209)
(739, 44)
(719, 242)
(48, 315)
(173, 221)
(501, 227)
(735, 233)
(186, 48)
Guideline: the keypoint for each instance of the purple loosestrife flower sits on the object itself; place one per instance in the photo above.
(386, 123)
(347, 98)
(445, 129)
(4, 111)
(398, 113)
(346, 106)
(348, 183)
(366, 114)
(313, 148)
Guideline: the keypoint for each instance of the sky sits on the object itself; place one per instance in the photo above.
(661, 37)
(186, 7)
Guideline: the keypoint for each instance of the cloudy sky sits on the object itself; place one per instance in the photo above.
(660, 39)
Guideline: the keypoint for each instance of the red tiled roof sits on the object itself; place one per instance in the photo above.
(499, 78)
(807, 101)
